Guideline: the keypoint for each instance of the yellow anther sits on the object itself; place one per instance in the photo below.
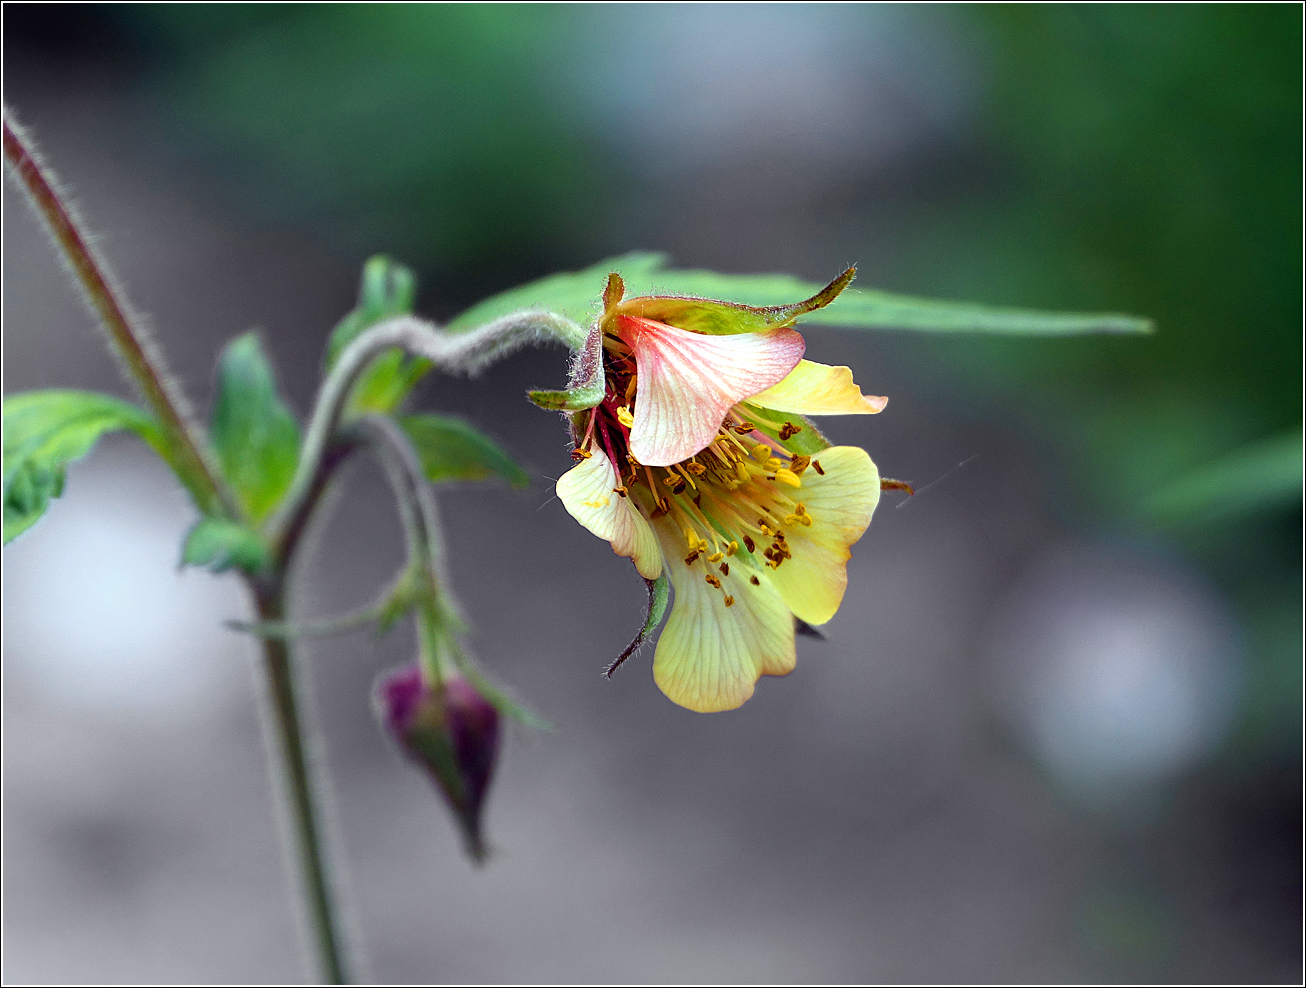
(799, 463)
(620, 490)
(761, 453)
(624, 417)
(774, 463)
(712, 580)
(741, 471)
(581, 454)
(732, 548)
(716, 557)
(630, 388)
(697, 469)
(766, 529)
(729, 601)
(788, 477)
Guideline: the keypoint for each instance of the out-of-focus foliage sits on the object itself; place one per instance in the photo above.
(44, 431)
(450, 449)
(418, 129)
(220, 545)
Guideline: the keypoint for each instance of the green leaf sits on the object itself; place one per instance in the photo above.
(220, 544)
(254, 434)
(659, 594)
(450, 449)
(1260, 477)
(576, 295)
(44, 431)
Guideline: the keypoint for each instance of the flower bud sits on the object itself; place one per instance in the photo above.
(452, 731)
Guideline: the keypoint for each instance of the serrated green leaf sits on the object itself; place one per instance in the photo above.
(450, 449)
(44, 431)
(1259, 477)
(254, 434)
(576, 295)
(220, 544)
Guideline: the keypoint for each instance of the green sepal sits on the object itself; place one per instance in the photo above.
(713, 318)
(576, 295)
(588, 383)
(44, 431)
(450, 449)
(254, 434)
(220, 544)
(659, 594)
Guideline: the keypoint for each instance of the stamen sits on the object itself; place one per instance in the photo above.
(788, 477)
(621, 490)
(816, 465)
(733, 548)
(789, 430)
(579, 454)
(712, 580)
(725, 569)
(730, 601)
(754, 581)
(630, 388)
(799, 463)
(624, 417)
(761, 453)
(751, 546)
(716, 557)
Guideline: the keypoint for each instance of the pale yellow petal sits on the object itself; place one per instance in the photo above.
(710, 656)
(588, 492)
(819, 389)
(840, 505)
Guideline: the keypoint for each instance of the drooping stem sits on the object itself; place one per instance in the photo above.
(301, 803)
(142, 361)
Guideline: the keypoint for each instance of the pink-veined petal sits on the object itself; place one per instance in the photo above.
(587, 492)
(840, 505)
(688, 381)
(710, 656)
(819, 389)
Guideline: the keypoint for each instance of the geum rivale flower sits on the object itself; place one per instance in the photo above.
(698, 462)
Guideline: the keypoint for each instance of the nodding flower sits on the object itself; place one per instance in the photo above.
(699, 461)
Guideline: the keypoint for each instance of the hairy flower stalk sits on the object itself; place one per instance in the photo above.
(697, 462)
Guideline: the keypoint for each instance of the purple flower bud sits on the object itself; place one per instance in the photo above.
(453, 733)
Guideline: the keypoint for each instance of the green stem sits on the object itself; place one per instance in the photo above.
(291, 743)
(142, 361)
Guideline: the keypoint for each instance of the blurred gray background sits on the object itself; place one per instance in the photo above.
(1047, 739)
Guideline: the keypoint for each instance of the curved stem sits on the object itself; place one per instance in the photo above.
(142, 360)
(453, 351)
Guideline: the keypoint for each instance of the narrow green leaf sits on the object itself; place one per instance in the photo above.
(44, 431)
(450, 449)
(220, 544)
(254, 434)
(576, 295)
(1259, 477)
(659, 594)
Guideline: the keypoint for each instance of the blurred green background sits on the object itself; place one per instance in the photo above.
(1135, 158)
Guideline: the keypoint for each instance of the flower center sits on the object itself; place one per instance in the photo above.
(734, 498)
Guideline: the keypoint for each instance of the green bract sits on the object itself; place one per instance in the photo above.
(254, 435)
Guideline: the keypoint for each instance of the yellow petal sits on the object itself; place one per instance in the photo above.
(840, 504)
(588, 493)
(819, 389)
(710, 656)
